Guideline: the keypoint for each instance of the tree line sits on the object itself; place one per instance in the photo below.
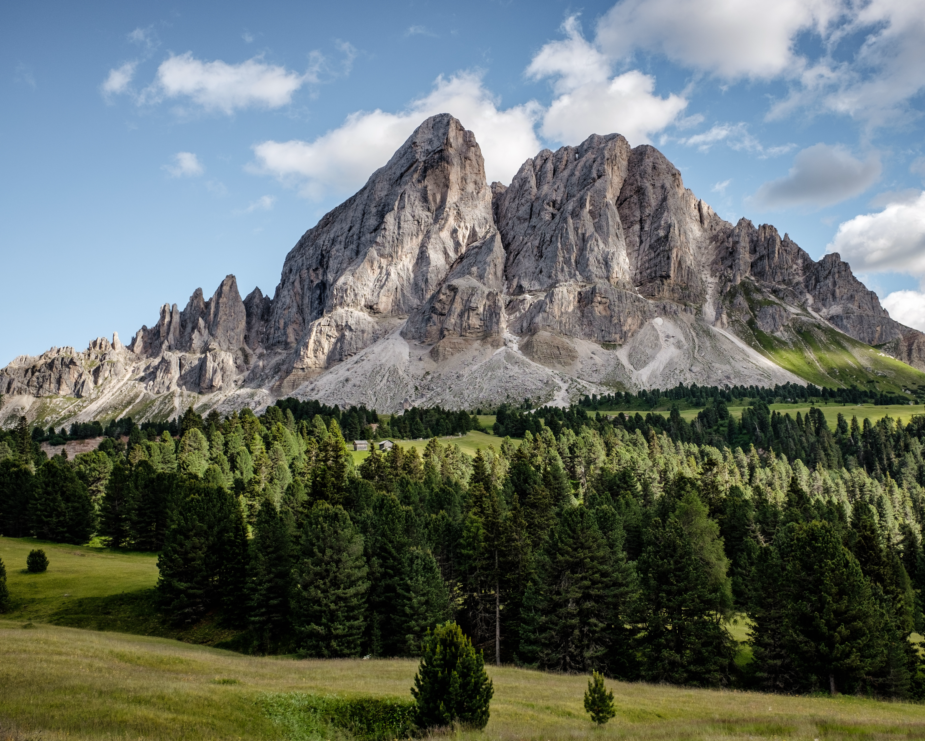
(611, 548)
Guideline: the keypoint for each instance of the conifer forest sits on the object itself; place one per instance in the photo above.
(581, 542)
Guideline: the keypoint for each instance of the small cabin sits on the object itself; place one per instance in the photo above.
(386, 445)
(360, 445)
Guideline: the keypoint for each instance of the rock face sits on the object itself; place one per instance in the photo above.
(596, 268)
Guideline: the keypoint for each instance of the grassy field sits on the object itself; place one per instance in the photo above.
(70, 684)
(468, 443)
(93, 588)
(900, 412)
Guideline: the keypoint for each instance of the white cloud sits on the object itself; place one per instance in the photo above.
(907, 307)
(219, 86)
(589, 101)
(918, 167)
(264, 203)
(821, 176)
(419, 31)
(343, 159)
(624, 105)
(891, 240)
(735, 136)
(248, 37)
(721, 187)
(145, 38)
(573, 61)
(730, 38)
(119, 79)
(185, 165)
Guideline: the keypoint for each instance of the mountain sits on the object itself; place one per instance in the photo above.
(594, 269)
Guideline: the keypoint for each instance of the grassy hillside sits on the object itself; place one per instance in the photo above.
(94, 588)
(468, 443)
(64, 683)
(874, 413)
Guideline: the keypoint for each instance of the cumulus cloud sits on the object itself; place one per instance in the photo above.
(590, 101)
(219, 86)
(892, 240)
(343, 159)
(185, 165)
(119, 79)
(730, 38)
(907, 307)
(821, 176)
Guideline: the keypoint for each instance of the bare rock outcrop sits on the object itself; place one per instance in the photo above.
(595, 268)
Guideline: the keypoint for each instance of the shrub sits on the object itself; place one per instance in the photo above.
(363, 718)
(451, 685)
(598, 700)
(37, 562)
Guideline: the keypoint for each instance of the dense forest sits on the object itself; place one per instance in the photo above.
(622, 545)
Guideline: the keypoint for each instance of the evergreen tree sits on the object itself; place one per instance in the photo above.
(4, 592)
(829, 624)
(62, 510)
(329, 479)
(685, 598)
(269, 577)
(36, 561)
(599, 700)
(203, 563)
(16, 487)
(451, 686)
(386, 545)
(330, 584)
(423, 601)
(116, 508)
(576, 589)
(157, 494)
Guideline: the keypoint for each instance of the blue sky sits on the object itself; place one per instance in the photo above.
(150, 149)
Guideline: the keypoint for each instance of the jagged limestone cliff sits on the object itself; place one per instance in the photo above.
(596, 268)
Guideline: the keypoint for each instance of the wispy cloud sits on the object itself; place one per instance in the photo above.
(419, 31)
(736, 137)
(264, 203)
(185, 165)
(119, 80)
(24, 75)
(721, 187)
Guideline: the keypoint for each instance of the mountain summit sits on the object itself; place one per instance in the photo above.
(596, 268)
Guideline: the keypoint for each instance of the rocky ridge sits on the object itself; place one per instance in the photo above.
(595, 268)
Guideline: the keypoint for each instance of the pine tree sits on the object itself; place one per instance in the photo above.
(386, 544)
(451, 686)
(203, 563)
(599, 700)
(423, 601)
(830, 626)
(4, 592)
(685, 598)
(16, 491)
(330, 584)
(62, 510)
(576, 591)
(116, 508)
(269, 578)
(329, 479)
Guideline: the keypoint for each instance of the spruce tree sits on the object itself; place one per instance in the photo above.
(330, 584)
(37, 561)
(386, 544)
(203, 563)
(269, 578)
(451, 686)
(116, 508)
(576, 596)
(329, 479)
(4, 592)
(423, 601)
(62, 510)
(829, 626)
(16, 491)
(685, 598)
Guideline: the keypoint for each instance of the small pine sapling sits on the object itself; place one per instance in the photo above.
(599, 700)
(37, 562)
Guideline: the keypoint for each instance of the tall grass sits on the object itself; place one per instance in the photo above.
(72, 684)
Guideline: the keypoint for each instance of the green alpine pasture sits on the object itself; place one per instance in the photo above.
(62, 683)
